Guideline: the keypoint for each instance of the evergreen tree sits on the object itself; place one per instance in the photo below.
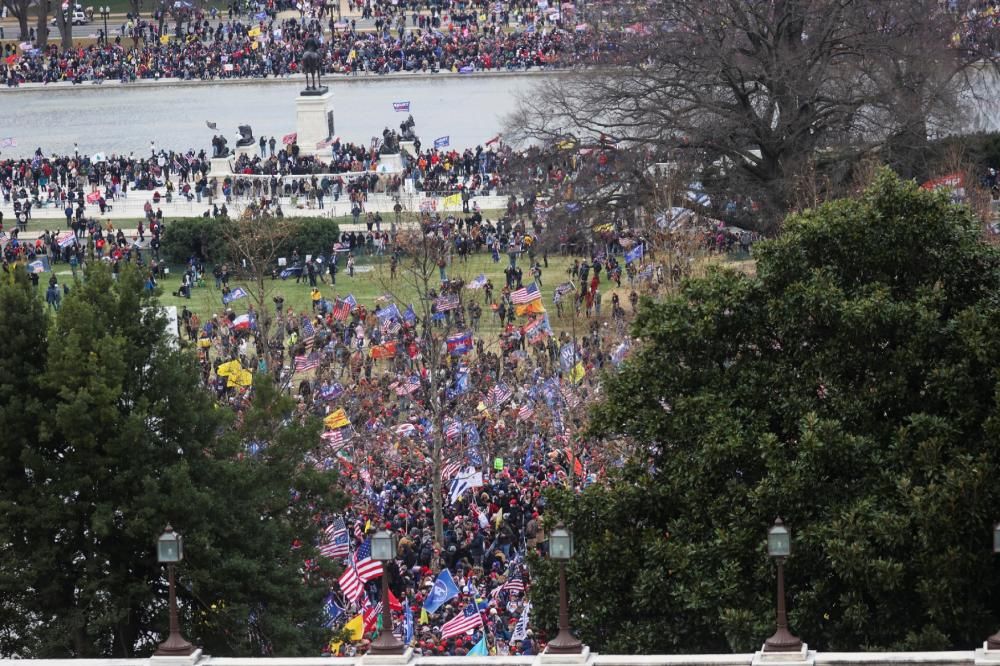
(123, 441)
(850, 387)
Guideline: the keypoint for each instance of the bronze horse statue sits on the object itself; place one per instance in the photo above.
(312, 64)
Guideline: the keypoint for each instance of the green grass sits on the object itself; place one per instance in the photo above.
(366, 287)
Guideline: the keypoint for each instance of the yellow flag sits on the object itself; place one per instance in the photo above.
(229, 368)
(240, 378)
(164, 39)
(368, 525)
(357, 628)
(577, 373)
(534, 307)
(337, 419)
(424, 617)
(452, 200)
(254, 45)
(253, 32)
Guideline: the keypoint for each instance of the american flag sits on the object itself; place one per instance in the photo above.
(468, 620)
(447, 302)
(525, 294)
(362, 569)
(405, 429)
(450, 470)
(308, 332)
(498, 395)
(525, 412)
(341, 310)
(304, 363)
(514, 584)
(391, 327)
(408, 385)
(337, 438)
(453, 430)
(338, 540)
(572, 401)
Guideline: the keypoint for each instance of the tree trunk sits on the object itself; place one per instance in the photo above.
(22, 26)
(436, 489)
(42, 28)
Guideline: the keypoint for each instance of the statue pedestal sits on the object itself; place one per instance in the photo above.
(314, 121)
(250, 151)
(390, 163)
(408, 147)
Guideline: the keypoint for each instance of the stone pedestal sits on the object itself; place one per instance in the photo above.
(314, 121)
(800, 657)
(249, 151)
(390, 164)
(408, 147)
(987, 657)
(189, 660)
(387, 659)
(546, 658)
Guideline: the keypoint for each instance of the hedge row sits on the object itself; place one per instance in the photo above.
(202, 237)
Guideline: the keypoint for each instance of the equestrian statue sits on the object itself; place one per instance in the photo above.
(312, 66)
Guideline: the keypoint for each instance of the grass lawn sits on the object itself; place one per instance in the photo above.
(372, 281)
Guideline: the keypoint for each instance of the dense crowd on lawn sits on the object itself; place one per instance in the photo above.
(510, 410)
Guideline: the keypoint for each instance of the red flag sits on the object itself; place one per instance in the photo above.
(394, 604)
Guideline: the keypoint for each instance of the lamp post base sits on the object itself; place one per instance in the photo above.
(372, 659)
(386, 644)
(799, 657)
(176, 660)
(549, 657)
(175, 646)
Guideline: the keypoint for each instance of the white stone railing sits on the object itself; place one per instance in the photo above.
(805, 657)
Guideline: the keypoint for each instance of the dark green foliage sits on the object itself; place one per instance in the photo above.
(849, 387)
(205, 237)
(113, 440)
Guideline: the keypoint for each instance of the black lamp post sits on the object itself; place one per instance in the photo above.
(993, 642)
(779, 546)
(561, 549)
(105, 12)
(384, 551)
(169, 550)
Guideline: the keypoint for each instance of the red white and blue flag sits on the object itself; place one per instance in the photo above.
(447, 302)
(462, 623)
(338, 540)
(525, 294)
(361, 570)
(460, 343)
(401, 107)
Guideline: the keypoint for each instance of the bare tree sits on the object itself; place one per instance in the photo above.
(19, 10)
(41, 25)
(420, 258)
(763, 90)
(255, 241)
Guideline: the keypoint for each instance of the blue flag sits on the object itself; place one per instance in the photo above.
(479, 649)
(234, 295)
(407, 623)
(442, 141)
(634, 255)
(410, 316)
(529, 455)
(443, 590)
(332, 610)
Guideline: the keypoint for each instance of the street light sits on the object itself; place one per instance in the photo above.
(169, 550)
(105, 12)
(779, 546)
(993, 642)
(561, 549)
(384, 551)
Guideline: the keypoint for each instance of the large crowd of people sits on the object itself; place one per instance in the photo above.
(263, 46)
